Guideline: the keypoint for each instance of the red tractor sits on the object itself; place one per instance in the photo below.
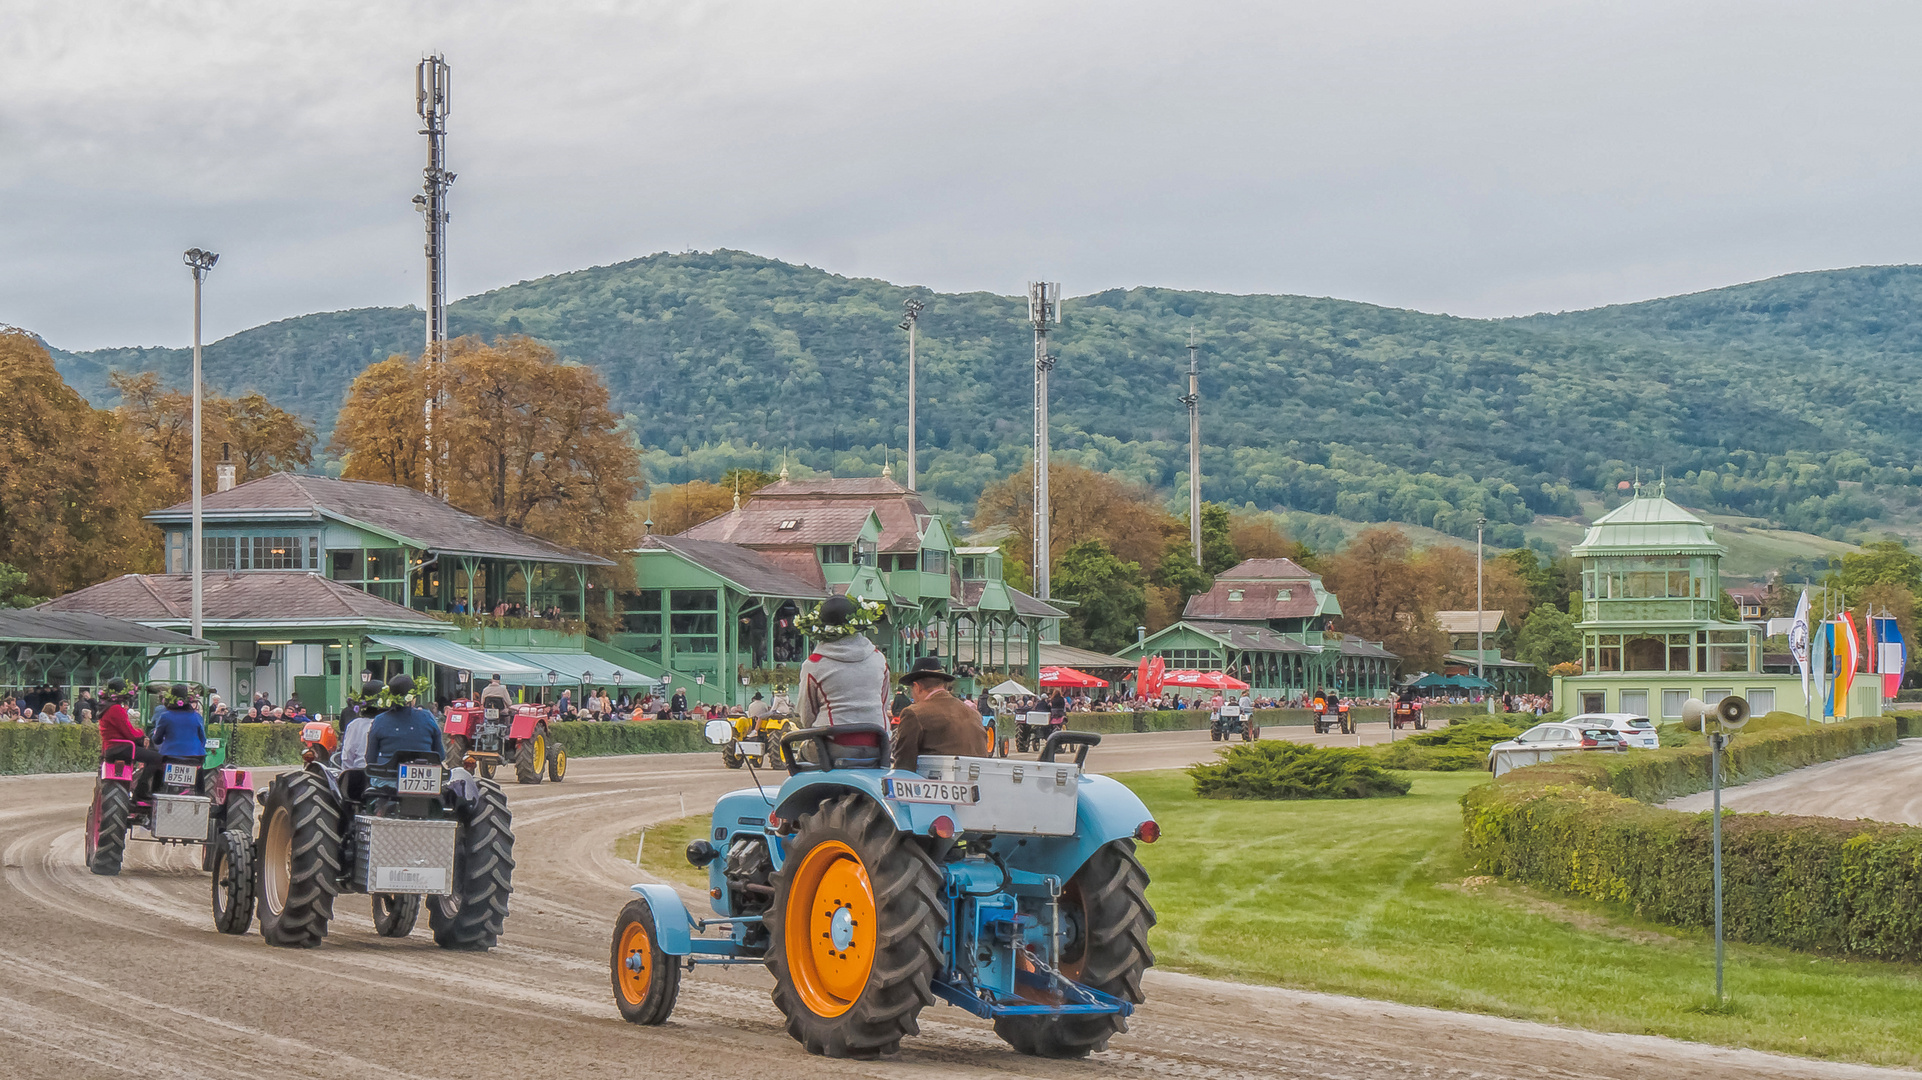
(1408, 714)
(493, 737)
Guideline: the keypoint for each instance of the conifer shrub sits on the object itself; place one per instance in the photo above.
(1286, 770)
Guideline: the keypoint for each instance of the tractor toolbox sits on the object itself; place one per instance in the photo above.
(1035, 798)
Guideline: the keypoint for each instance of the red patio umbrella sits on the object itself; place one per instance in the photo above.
(1070, 678)
(1205, 680)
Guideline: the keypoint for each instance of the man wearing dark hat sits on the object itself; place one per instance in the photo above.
(938, 723)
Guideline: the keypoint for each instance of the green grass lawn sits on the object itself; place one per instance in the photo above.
(665, 853)
(1372, 897)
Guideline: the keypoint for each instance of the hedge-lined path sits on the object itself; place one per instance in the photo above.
(99, 976)
(1882, 786)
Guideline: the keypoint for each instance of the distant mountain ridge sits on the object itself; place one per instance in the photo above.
(1787, 399)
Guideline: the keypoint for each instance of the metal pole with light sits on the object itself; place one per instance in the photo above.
(1044, 311)
(1728, 716)
(201, 263)
(909, 323)
(1480, 668)
(1192, 399)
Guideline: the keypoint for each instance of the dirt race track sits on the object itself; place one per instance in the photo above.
(1885, 786)
(111, 977)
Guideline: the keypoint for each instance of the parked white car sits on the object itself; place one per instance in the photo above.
(1546, 741)
(1637, 731)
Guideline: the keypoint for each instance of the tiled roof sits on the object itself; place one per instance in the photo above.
(1028, 605)
(752, 570)
(1267, 570)
(44, 624)
(415, 516)
(1354, 646)
(799, 562)
(783, 526)
(1463, 622)
(273, 596)
(1261, 599)
(1256, 638)
(904, 517)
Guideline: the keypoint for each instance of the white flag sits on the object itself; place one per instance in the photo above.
(1799, 639)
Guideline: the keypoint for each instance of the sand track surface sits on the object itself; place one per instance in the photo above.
(112, 977)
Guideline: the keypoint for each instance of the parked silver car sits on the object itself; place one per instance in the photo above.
(1546, 741)
(1637, 731)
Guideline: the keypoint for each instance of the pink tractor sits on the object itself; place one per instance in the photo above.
(194, 801)
(491, 736)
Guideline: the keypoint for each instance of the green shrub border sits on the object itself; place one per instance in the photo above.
(1582, 826)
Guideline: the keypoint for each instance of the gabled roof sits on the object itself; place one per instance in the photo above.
(41, 625)
(1354, 646)
(1256, 638)
(905, 519)
(1648, 525)
(1028, 605)
(1465, 622)
(753, 572)
(785, 526)
(1268, 592)
(411, 517)
(270, 597)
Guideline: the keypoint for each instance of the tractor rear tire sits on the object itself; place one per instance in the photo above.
(1107, 903)
(530, 757)
(556, 762)
(299, 861)
(233, 889)
(847, 858)
(731, 757)
(236, 815)
(107, 825)
(646, 980)
(456, 751)
(471, 918)
(395, 913)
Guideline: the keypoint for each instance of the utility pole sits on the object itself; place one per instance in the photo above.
(201, 263)
(1480, 668)
(1192, 399)
(909, 323)
(431, 99)
(1044, 311)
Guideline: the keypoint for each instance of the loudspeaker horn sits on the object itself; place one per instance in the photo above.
(1733, 711)
(1692, 712)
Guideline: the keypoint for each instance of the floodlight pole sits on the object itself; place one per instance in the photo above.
(1480, 668)
(200, 263)
(1044, 311)
(909, 323)
(431, 100)
(1192, 399)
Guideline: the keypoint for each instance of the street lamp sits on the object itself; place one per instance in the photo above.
(201, 263)
(1480, 668)
(909, 323)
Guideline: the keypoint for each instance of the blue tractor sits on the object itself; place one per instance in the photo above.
(1007, 888)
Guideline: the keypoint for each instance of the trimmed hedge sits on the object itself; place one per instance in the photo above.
(1462, 746)
(48, 748)
(584, 738)
(1287, 770)
(1577, 825)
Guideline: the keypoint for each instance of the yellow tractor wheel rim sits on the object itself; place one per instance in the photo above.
(540, 747)
(830, 929)
(560, 764)
(636, 971)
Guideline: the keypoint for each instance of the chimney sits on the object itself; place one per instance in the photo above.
(223, 472)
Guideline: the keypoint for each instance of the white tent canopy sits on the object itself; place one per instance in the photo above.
(1011, 689)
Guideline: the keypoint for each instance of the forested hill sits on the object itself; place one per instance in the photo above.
(1782, 399)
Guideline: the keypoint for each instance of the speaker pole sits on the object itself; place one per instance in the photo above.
(1716, 741)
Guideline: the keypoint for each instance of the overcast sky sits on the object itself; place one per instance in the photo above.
(1477, 157)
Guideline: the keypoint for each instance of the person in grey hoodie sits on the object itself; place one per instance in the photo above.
(845, 680)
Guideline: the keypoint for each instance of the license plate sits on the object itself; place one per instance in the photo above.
(752, 749)
(493, 714)
(420, 779)
(410, 879)
(213, 744)
(181, 774)
(932, 791)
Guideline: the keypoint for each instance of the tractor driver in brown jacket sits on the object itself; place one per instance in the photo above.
(938, 723)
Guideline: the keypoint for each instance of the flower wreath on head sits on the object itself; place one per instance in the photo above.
(867, 613)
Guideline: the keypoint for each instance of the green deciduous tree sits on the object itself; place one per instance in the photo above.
(1880, 562)
(1109, 596)
(1548, 637)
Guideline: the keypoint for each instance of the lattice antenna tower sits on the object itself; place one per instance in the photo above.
(1044, 311)
(433, 101)
(1192, 399)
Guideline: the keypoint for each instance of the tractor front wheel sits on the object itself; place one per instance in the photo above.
(472, 917)
(646, 980)
(107, 823)
(854, 933)
(556, 762)
(299, 860)
(395, 913)
(456, 751)
(233, 890)
(1105, 919)
(531, 756)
